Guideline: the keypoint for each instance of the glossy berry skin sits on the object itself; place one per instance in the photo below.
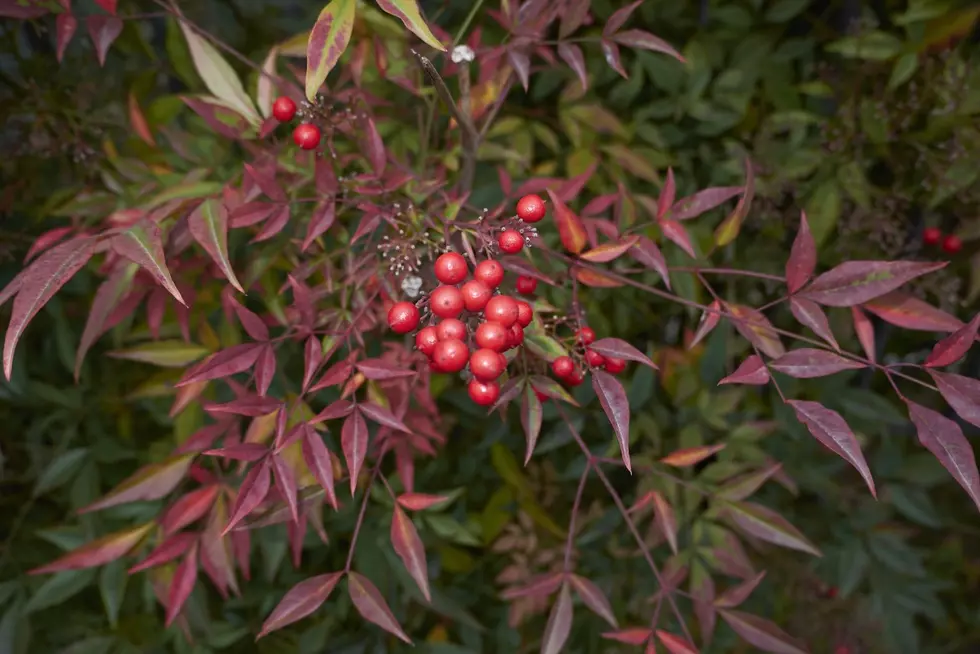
(952, 244)
(489, 272)
(483, 393)
(526, 285)
(586, 335)
(492, 335)
(426, 340)
(575, 379)
(485, 364)
(403, 317)
(530, 208)
(932, 236)
(516, 335)
(510, 241)
(450, 355)
(446, 302)
(563, 367)
(283, 109)
(614, 365)
(450, 268)
(476, 294)
(450, 329)
(525, 314)
(501, 309)
(306, 136)
(594, 359)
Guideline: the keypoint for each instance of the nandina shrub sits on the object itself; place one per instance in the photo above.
(394, 280)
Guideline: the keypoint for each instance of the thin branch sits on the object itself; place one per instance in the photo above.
(575, 508)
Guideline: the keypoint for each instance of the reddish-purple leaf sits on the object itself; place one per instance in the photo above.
(573, 14)
(319, 462)
(761, 633)
(709, 320)
(375, 147)
(703, 596)
(571, 231)
(802, 257)
(664, 517)
(300, 601)
(208, 224)
(407, 11)
(593, 597)
(667, 194)
(944, 438)
(142, 243)
(738, 594)
(808, 362)
(65, 27)
(420, 501)
(333, 411)
(571, 54)
(188, 509)
(811, 315)
(521, 63)
(408, 546)
(531, 415)
(265, 178)
(646, 41)
(559, 624)
(104, 30)
(757, 330)
(381, 370)
(619, 17)
(630, 635)
(166, 551)
(703, 201)
(335, 374)
(98, 552)
(675, 232)
(765, 524)
(751, 371)
(274, 225)
(150, 482)
(252, 406)
(21, 11)
(240, 452)
(185, 576)
(253, 325)
(328, 39)
(265, 369)
(607, 252)
(108, 5)
(41, 243)
(372, 606)
(538, 586)
(962, 394)
(612, 398)
(354, 442)
(253, 490)
(552, 389)
(690, 456)
(322, 219)
(106, 299)
(856, 282)
(251, 213)
(312, 358)
(230, 361)
(828, 427)
(903, 310)
(620, 349)
(865, 332)
(382, 416)
(675, 644)
(646, 252)
(952, 348)
(217, 551)
(286, 483)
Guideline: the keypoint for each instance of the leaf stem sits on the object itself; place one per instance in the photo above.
(575, 509)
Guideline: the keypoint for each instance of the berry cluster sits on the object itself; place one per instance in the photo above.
(565, 369)
(950, 243)
(306, 135)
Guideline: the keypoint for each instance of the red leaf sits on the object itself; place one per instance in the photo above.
(630, 635)
(865, 332)
(420, 501)
(619, 17)
(559, 625)
(208, 224)
(952, 348)
(312, 358)
(254, 326)
(41, 243)
(808, 362)
(97, 552)
(664, 516)
(142, 243)
(106, 299)
(802, 258)
(904, 310)
(765, 524)
(751, 371)
(690, 456)
(188, 509)
(612, 398)
(241, 452)
(531, 416)
(181, 585)
(108, 5)
(37, 284)
(762, 633)
(319, 462)
(856, 282)
(646, 252)
(65, 27)
(962, 394)
(286, 483)
(251, 213)
(617, 348)
(300, 601)
(166, 551)
(230, 361)
(709, 320)
(408, 546)
(322, 219)
(150, 482)
(609, 251)
(646, 41)
(216, 551)
(380, 369)
(729, 228)
(811, 315)
(335, 374)
(538, 586)
(382, 416)
(593, 597)
(571, 54)
(552, 389)
(757, 330)
(675, 232)
(703, 201)
(944, 438)
(253, 490)
(333, 411)
(103, 30)
(570, 228)
(675, 644)
(372, 606)
(274, 225)
(138, 122)
(252, 406)
(265, 178)
(738, 594)
(828, 427)
(354, 441)
(265, 369)
(595, 278)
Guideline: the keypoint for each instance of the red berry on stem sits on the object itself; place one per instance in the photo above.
(306, 136)
(485, 364)
(446, 302)
(426, 340)
(476, 294)
(594, 359)
(492, 335)
(516, 335)
(450, 329)
(450, 268)
(502, 309)
(932, 236)
(526, 285)
(575, 379)
(614, 365)
(403, 317)
(525, 314)
(563, 366)
(530, 208)
(952, 244)
(283, 109)
(510, 241)
(586, 335)
(483, 393)
(489, 272)
(450, 355)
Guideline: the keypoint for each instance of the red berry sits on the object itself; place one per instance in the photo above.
(492, 335)
(489, 272)
(450, 329)
(306, 136)
(283, 109)
(485, 364)
(446, 302)
(525, 314)
(842, 649)
(476, 294)
(594, 359)
(526, 285)
(503, 361)
(450, 268)
(932, 236)
(483, 393)
(450, 355)
(832, 592)
(541, 396)
(575, 378)
(510, 241)
(403, 317)
(530, 208)
(516, 335)
(614, 365)
(586, 335)
(563, 367)
(502, 309)
(426, 340)
(952, 244)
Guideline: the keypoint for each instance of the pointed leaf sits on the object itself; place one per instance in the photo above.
(319, 462)
(333, 411)
(811, 315)
(108, 5)
(962, 394)
(354, 442)
(675, 644)
(382, 370)
(106, 299)
(312, 358)
(808, 362)
(264, 85)
(97, 552)
(745, 485)
(188, 509)
(286, 483)
(646, 252)
(952, 348)
(593, 597)
(227, 362)
(738, 594)
(596, 278)
(407, 11)
(218, 75)
(865, 332)
(702, 202)
(335, 374)
(664, 516)
(408, 546)
(240, 452)
(328, 39)
(675, 232)
(181, 585)
(903, 310)
(252, 406)
(571, 54)
(828, 427)
(167, 354)
(944, 438)
(619, 17)
(691, 456)
(142, 244)
(570, 229)
(765, 524)
(538, 586)
(620, 349)
(166, 551)
(103, 30)
(148, 483)
(630, 635)
(709, 320)
(300, 601)
(610, 251)
(372, 606)
(208, 224)
(644, 40)
(761, 633)
(730, 227)
(612, 398)
(253, 490)
(322, 219)
(138, 121)
(559, 625)
(65, 27)
(757, 330)
(856, 282)
(802, 258)
(531, 415)
(752, 371)
(382, 416)
(420, 501)
(551, 388)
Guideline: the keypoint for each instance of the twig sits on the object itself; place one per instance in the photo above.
(575, 508)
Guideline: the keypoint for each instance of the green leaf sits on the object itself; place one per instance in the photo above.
(914, 504)
(905, 67)
(208, 224)
(112, 587)
(784, 10)
(59, 471)
(765, 524)
(823, 210)
(408, 12)
(168, 354)
(542, 345)
(328, 39)
(219, 76)
(59, 588)
(872, 46)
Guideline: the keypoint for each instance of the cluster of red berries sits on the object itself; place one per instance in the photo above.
(306, 135)
(950, 243)
(564, 367)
